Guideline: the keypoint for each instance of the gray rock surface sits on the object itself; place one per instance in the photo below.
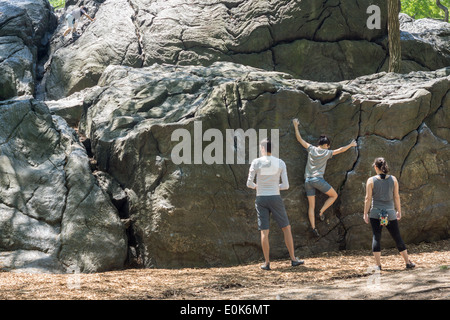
(425, 44)
(316, 40)
(78, 63)
(54, 216)
(25, 28)
(108, 193)
(203, 214)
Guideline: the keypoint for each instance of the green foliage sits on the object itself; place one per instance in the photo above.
(424, 8)
(57, 4)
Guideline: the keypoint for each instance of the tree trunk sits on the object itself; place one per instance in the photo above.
(440, 5)
(395, 51)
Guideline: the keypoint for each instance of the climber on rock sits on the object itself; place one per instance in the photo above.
(314, 171)
(73, 17)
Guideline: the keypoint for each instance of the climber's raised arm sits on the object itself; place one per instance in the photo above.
(298, 136)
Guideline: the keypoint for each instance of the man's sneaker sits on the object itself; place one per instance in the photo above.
(315, 232)
(410, 265)
(265, 266)
(297, 262)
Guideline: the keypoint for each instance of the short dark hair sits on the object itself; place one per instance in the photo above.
(324, 140)
(267, 145)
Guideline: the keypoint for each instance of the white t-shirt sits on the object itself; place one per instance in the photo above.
(268, 171)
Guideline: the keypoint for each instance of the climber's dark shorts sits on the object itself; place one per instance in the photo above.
(266, 205)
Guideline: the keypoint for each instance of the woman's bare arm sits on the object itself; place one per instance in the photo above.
(368, 199)
(397, 203)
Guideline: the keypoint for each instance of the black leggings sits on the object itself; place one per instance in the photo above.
(393, 230)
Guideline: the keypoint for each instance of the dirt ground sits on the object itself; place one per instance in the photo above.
(338, 275)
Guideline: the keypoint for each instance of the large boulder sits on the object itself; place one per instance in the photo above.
(309, 39)
(315, 40)
(54, 217)
(425, 44)
(305, 38)
(25, 29)
(147, 73)
(78, 63)
(197, 213)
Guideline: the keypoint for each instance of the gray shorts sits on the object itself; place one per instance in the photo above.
(265, 205)
(313, 183)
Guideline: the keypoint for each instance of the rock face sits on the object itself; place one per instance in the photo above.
(25, 28)
(203, 214)
(299, 37)
(146, 76)
(425, 35)
(111, 39)
(315, 40)
(54, 216)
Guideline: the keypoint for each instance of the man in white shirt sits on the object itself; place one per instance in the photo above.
(268, 170)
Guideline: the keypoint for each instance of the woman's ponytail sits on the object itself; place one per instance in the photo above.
(381, 164)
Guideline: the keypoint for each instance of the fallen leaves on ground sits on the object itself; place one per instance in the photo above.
(237, 282)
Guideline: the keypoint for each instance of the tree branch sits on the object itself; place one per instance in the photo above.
(440, 5)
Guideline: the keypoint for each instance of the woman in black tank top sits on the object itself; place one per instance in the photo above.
(381, 206)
